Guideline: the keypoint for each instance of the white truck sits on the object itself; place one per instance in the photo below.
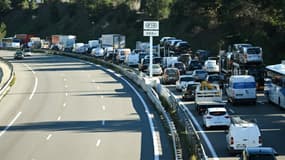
(113, 40)
(64, 42)
(208, 95)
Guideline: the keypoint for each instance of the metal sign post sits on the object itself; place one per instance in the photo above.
(151, 29)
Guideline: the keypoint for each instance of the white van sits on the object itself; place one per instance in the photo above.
(242, 134)
(122, 54)
(241, 88)
(132, 59)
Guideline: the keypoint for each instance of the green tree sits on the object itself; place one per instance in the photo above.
(2, 30)
(4, 5)
(158, 9)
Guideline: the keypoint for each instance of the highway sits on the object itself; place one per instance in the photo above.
(270, 119)
(67, 109)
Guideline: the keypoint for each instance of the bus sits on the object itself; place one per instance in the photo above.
(276, 91)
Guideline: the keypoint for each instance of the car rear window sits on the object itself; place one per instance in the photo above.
(171, 72)
(243, 85)
(217, 113)
(187, 79)
(200, 72)
(253, 51)
(261, 157)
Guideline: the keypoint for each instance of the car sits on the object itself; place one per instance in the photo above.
(170, 76)
(156, 70)
(182, 47)
(214, 78)
(258, 153)
(194, 64)
(183, 81)
(211, 66)
(217, 116)
(19, 55)
(242, 134)
(144, 64)
(199, 75)
(27, 52)
(188, 93)
(180, 66)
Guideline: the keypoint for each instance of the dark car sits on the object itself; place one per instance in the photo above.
(258, 153)
(180, 66)
(170, 75)
(193, 65)
(19, 55)
(189, 92)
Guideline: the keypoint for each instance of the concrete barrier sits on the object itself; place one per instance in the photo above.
(7, 76)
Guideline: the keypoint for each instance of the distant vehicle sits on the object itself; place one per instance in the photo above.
(156, 70)
(208, 96)
(241, 88)
(182, 47)
(122, 54)
(258, 153)
(199, 75)
(250, 55)
(97, 52)
(170, 75)
(19, 55)
(242, 134)
(184, 58)
(163, 39)
(144, 64)
(202, 55)
(193, 65)
(211, 66)
(168, 61)
(217, 116)
(276, 88)
(132, 60)
(188, 93)
(214, 78)
(113, 40)
(183, 81)
(180, 66)
(27, 51)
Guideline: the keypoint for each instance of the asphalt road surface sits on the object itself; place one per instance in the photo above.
(62, 108)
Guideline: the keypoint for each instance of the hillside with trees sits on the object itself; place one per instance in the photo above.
(206, 24)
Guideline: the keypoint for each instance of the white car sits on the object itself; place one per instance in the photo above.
(183, 82)
(27, 52)
(211, 66)
(217, 116)
(156, 70)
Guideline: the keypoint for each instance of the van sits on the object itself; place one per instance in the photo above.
(122, 54)
(241, 88)
(132, 59)
(242, 134)
(250, 55)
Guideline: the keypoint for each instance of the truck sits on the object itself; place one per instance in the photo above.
(25, 38)
(208, 95)
(229, 66)
(64, 42)
(113, 40)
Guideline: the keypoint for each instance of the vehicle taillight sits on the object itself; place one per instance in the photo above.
(259, 140)
(232, 140)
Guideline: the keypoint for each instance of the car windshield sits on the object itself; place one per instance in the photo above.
(213, 78)
(171, 72)
(187, 79)
(262, 157)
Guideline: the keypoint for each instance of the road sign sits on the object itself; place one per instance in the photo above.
(151, 33)
(150, 25)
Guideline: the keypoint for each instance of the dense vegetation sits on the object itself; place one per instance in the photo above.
(206, 24)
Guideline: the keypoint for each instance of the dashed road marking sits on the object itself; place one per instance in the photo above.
(98, 142)
(104, 108)
(10, 124)
(59, 118)
(48, 137)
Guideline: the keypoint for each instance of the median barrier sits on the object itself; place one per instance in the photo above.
(7, 76)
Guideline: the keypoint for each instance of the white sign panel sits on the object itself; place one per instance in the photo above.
(151, 33)
(150, 25)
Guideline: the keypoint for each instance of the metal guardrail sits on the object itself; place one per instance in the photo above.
(6, 85)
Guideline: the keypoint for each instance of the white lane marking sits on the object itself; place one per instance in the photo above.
(64, 79)
(97, 87)
(98, 142)
(64, 105)
(58, 118)
(102, 97)
(103, 122)
(11, 123)
(66, 94)
(36, 81)
(48, 137)
(34, 89)
(103, 108)
(65, 86)
(268, 129)
(205, 137)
